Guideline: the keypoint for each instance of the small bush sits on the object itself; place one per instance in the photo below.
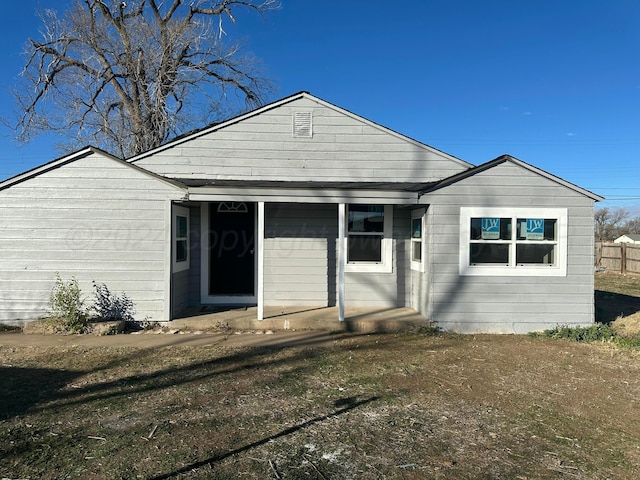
(67, 306)
(9, 328)
(109, 306)
(593, 333)
(598, 332)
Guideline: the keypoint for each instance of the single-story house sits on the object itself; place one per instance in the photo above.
(301, 202)
(628, 238)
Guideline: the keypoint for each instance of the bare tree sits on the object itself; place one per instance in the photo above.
(632, 226)
(608, 222)
(126, 76)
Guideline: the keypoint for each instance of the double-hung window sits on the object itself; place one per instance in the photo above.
(513, 241)
(417, 240)
(180, 239)
(369, 240)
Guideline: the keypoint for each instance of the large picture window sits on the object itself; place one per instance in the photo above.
(513, 241)
(369, 237)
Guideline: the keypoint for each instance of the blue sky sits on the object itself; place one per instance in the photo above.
(553, 83)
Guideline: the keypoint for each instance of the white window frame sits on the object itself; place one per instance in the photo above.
(418, 214)
(512, 269)
(385, 265)
(184, 264)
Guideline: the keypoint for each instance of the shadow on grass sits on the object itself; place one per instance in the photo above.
(610, 306)
(29, 390)
(24, 388)
(347, 404)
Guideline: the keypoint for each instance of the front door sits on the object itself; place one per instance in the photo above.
(232, 250)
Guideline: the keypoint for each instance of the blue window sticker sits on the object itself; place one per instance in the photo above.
(535, 229)
(490, 228)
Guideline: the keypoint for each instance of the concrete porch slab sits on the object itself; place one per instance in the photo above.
(362, 320)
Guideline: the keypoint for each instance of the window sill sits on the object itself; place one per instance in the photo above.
(521, 271)
(368, 268)
(417, 266)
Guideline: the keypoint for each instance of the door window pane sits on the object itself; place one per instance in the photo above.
(181, 251)
(416, 228)
(181, 226)
(416, 251)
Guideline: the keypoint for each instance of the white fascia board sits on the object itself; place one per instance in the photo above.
(34, 172)
(85, 152)
(388, 131)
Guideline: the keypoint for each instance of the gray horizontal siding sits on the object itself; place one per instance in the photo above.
(513, 304)
(385, 290)
(262, 147)
(299, 254)
(300, 264)
(93, 219)
(179, 292)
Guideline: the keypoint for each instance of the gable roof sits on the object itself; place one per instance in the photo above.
(297, 96)
(508, 158)
(632, 236)
(72, 157)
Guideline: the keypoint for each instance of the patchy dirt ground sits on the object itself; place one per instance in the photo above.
(373, 406)
(406, 406)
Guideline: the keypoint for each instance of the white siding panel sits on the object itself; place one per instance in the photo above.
(93, 219)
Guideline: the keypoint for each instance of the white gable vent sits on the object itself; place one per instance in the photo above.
(302, 124)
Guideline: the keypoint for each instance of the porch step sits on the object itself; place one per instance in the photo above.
(360, 320)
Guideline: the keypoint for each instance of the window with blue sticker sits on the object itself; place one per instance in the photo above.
(513, 241)
(536, 241)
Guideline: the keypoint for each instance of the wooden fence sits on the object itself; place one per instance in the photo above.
(618, 257)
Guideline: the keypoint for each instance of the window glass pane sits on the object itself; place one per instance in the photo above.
(416, 251)
(364, 248)
(181, 226)
(491, 253)
(535, 253)
(537, 229)
(416, 228)
(366, 218)
(181, 251)
(490, 229)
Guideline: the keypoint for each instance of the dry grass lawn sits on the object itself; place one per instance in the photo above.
(405, 406)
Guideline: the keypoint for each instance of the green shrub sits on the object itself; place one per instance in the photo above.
(109, 306)
(598, 332)
(67, 306)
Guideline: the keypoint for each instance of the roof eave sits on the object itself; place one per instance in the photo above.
(508, 158)
(59, 162)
